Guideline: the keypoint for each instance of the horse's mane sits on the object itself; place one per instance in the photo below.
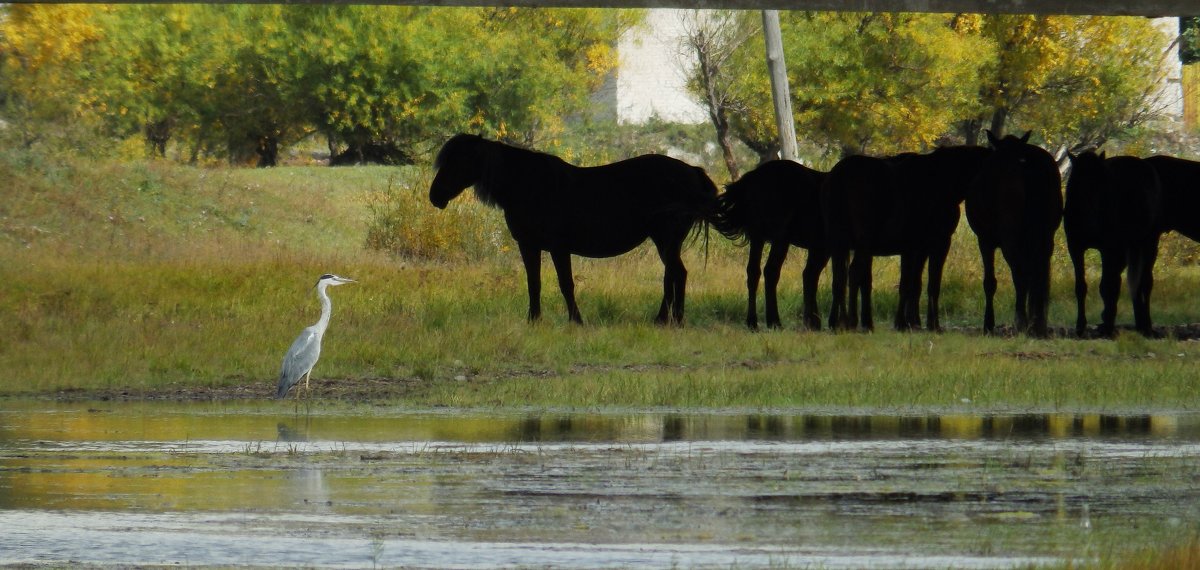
(500, 166)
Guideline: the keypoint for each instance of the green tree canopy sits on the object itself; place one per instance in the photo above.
(865, 82)
(246, 80)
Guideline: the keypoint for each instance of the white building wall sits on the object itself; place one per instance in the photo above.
(650, 80)
(1170, 95)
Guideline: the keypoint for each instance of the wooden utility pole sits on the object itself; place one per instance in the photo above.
(780, 92)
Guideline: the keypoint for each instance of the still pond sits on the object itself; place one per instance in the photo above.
(267, 484)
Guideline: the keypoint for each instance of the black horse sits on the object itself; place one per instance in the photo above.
(1015, 203)
(600, 211)
(777, 203)
(1180, 180)
(1113, 205)
(907, 205)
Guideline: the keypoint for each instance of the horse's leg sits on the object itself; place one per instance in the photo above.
(901, 320)
(816, 262)
(674, 280)
(987, 254)
(868, 313)
(752, 275)
(908, 307)
(937, 262)
(774, 268)
(566, 283)
(1081, 289)
(1018, 266)
(532, 257)
(1112, 263)
(853, 284)
(1141, 282)
(1039, 289)
(837, 308)
(860, 289)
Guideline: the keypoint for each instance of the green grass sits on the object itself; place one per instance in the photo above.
(151, 277)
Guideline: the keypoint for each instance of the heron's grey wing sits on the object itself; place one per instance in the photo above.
(299, 360)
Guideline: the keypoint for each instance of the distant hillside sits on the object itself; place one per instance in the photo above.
(158, 208)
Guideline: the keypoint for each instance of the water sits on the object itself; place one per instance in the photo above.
(260, 484)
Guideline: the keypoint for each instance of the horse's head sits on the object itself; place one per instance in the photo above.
(459, 165)
(1087, 164)
(1088, 174)
(1008, 143)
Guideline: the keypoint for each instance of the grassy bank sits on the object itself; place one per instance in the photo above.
(151, 278)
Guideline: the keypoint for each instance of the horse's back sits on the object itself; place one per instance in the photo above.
(1138, 204)
(1180, 183)
(858, 199)
(607, 210)
(778, 200)
(647, 178)
(1016, 194)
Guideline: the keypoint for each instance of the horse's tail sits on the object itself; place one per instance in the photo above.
(729, 213)
(707, 213)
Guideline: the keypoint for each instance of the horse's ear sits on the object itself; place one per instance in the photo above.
(1103, 155)
(1025, 138)
(992, 140)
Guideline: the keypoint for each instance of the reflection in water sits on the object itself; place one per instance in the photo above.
(223, 485)
(679, 427)
(291, 434)
(230, 423)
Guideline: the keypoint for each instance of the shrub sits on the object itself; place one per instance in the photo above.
(402, 222)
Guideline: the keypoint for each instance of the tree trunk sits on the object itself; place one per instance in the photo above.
(999, 118)
(268, 151)
(716, 110)
(157, 134)
(780, 92)
(970, 131)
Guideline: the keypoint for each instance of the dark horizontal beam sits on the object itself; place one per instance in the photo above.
(1151, 8)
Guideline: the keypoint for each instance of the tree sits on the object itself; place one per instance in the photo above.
(518, 74)
(45, 54)
(1189, 39)
(865, 83)
(1076, 81)
(883, 83)
(711, 39)
(245, 81)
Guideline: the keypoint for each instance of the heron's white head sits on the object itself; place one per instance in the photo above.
(331, 279)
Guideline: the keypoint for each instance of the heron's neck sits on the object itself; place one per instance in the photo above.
(326, 308)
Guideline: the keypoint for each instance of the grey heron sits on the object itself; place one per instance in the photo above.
(300, 358)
